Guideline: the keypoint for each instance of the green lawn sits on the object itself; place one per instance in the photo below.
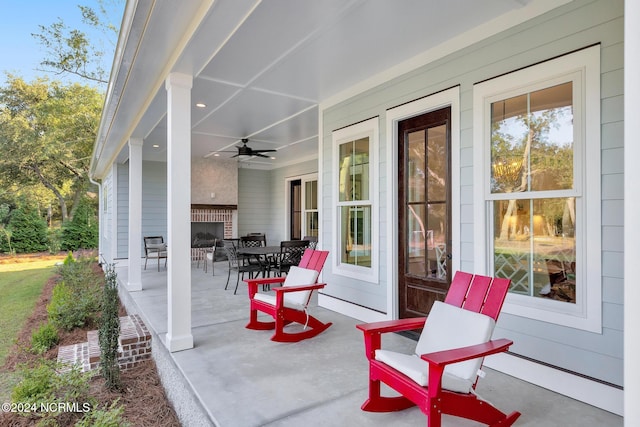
(20, 286)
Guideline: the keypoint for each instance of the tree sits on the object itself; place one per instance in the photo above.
(28, 232)
(47, 131)
(72, 51)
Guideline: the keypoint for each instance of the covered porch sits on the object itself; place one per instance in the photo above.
(238, 377)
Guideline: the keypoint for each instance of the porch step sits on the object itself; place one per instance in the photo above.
(134, 347)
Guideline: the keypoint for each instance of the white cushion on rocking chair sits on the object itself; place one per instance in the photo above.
(447, 327)
(297, 276)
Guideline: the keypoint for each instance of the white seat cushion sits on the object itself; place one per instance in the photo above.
(418, 370)
(447, 327)
(297, 276)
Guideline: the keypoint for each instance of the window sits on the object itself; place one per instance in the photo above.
(310, 208)
(537, 161)
(302, 206)
(354, 193)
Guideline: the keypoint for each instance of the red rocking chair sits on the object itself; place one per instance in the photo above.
(440, 378)
(289, 304)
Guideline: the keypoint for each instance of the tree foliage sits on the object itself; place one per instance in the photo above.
(27, 232)
(72, 51)
(82, 231)
(47, 130)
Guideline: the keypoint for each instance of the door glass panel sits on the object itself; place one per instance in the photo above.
(437, 161)
(417, 240)
(426, 213)
(416, 170)
(437, 242)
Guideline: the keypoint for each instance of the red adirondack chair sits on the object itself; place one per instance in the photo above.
(289, 304)
(441, 376)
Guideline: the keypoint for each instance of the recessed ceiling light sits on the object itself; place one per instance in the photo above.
(155, 146)
(216, 155)
(201, 105)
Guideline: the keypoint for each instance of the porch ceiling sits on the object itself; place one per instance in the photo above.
(263, 67)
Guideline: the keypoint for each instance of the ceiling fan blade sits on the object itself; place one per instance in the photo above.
(261, 155)
(264, 151)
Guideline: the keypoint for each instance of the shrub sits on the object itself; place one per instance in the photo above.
(107, 417)
(44, 338)
(109, 331)
(28, 231)
(69, 310)
(75, 301)
(49, 384)
(82, 231)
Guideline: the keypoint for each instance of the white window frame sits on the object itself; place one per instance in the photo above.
(583, 68)
(368, 128)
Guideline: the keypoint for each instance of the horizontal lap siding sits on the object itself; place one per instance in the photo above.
(261, 199)
(568, 28)
(254, 202)
(154, 204)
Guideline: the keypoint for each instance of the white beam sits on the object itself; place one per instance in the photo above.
(134, 282)
(179, 335)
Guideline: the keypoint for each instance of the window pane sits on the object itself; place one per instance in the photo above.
(311, 195)
(535, 246)
(532, 141)
(356, 235)
(312, 224)
(354, 170)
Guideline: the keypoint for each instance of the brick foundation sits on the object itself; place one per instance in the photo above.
(134, 347)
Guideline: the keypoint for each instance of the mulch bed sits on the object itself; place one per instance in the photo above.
(142, 394)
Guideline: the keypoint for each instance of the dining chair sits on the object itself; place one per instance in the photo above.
(236, 264)
(290, 254)
(253, 240)
(313, 241)
(210, 255)
(155, 248)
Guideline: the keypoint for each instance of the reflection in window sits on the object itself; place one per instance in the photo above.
(535, 246)
(356, 238)
(532, 141)
(532, 151)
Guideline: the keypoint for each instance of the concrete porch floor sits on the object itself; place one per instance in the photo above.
(235, 377)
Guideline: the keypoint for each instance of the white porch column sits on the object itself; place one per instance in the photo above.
(631, 209)
(134, 282)
(179, 211)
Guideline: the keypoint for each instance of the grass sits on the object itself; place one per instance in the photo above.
(21, 284)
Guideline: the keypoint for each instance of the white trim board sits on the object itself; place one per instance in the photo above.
(576, 387)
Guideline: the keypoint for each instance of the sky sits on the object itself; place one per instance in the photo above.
(20, 53)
